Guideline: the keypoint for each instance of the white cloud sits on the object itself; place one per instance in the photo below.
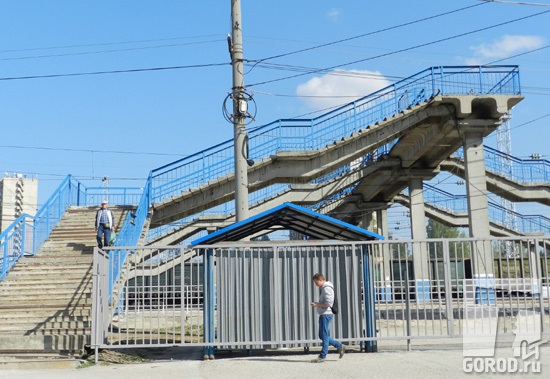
(506, 46)
(340, 87)
(334, 15)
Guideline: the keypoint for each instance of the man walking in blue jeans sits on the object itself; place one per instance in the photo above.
(326, 300)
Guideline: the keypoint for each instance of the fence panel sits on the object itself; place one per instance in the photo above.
(257, 295)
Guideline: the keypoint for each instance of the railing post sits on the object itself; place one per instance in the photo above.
(5, 260)
(433, 80)
(448, 288)
(23, 232)
(355, 117)
(149, 191)
(481, 79)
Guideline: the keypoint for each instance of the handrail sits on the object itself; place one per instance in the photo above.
(308, 134)
(130, 233)
(14, 242)
(516, 169)
(30, 232)
(497, 213)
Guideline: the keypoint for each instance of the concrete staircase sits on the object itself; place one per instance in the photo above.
(46, 299)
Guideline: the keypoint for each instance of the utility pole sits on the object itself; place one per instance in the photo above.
(240, 111)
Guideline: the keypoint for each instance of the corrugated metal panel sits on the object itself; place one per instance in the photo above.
(264, 293)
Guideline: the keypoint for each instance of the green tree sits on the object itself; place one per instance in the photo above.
(435, 229)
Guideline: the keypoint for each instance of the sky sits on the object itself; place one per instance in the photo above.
(117, 88)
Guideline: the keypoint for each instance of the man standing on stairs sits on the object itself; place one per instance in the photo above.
(104, 223)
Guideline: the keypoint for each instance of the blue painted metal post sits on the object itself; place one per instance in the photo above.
(369, 301)
(211, 300)
(355, 117)
(480, 79)
(78, 194)
(23, 232)
(5, 260)
(433, 81)
(208, 302)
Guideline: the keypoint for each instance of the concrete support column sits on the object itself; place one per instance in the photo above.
(382, 223)
(377, 221)
(478, 209)
(421, 262)
(386, 274)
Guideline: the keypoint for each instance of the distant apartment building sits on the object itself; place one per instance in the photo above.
(18, 195)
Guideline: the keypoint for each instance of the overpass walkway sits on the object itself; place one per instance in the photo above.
(414, 125)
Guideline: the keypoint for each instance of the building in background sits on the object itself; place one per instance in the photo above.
(18, 195)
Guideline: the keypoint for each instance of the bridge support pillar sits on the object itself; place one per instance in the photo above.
(478, 208)
(377, 221)
(418, 229)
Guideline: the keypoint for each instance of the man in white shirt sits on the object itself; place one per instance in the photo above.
(104, 223)
(326, 301)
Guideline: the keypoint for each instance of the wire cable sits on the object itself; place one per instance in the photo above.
(515, 3)
(89, 150)
(106, 51)
(366, 34)
(115, 71)
(402, 50)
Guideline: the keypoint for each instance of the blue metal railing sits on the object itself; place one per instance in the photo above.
(516, 169)
(497, 214)
(28, 233)
(15, 241)
(130, 233)
(307, 134)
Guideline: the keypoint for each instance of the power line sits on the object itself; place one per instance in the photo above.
(89, 150)
(516, 3)
(207, 65)
(116, 71)
(530, 122)
(106, 44)
(401, 50)
(108, 51)
(366, 34)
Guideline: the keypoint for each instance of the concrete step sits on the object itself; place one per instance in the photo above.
(55, 332)
(60, 302)
(15, 285)
(59, 261)
(43, 313)
(31, 317)
(45, 296)
(36, 328)
(79, 270)
(26, 267)
(45, 291)
(65, 342)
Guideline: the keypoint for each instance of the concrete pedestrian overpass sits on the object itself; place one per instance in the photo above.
(357, 169)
